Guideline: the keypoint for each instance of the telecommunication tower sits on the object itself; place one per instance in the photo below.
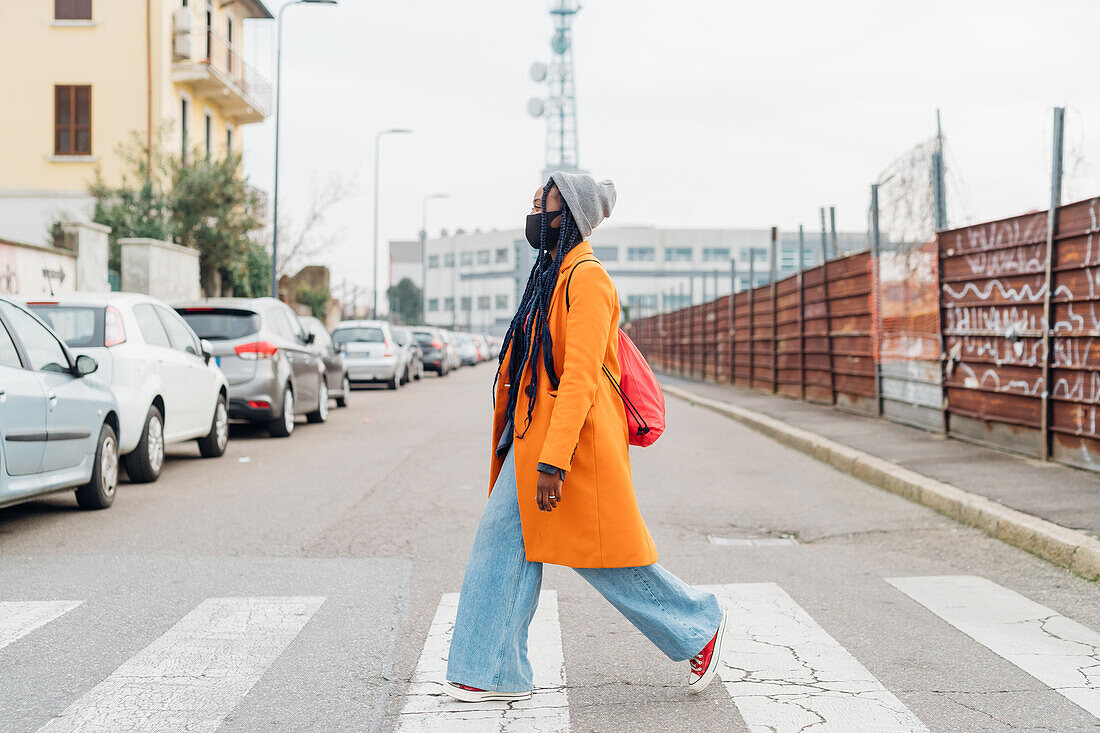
(560, 105)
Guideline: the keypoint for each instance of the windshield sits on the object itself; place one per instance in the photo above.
(78, 326)
(359, 334)
(423, 337)
(221, 324)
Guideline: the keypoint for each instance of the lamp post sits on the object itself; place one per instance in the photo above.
(424, 253)
(374, 270)
(278, 99)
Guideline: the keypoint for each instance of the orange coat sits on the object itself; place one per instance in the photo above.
(580, 427)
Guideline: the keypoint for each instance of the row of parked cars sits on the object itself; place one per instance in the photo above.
(91, 383)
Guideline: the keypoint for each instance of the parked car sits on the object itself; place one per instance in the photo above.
(273, 372)
(58, 429)
(370, 351)
(160, 373)
(414, 365)
(432, 349)
(482, 344)
(450, 350)
(336, 372)
(467, 350)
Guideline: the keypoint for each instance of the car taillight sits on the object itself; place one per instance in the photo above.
(114, 333)
(256, 350)
(389, 348)
(437, 344)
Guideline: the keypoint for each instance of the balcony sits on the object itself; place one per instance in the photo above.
(218, 72)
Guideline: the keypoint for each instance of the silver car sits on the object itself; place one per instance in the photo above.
(370, 351)
(58, 430)
(273, 372)
(414, 364)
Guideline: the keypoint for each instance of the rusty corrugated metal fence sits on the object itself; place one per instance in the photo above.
(832, 335)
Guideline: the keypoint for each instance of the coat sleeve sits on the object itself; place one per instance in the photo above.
(587, 329)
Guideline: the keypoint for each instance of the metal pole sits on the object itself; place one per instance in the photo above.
(454, 281)
(374, 246)
(424, 263)
(275, 185)
(876, 322)
(773, 246)
(1052, 226)
(733, 327)
(801, 326)
(824, 241)
(939, 182)
(832, 231)
(752, 315)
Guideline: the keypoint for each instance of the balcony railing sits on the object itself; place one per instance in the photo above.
(206, 46)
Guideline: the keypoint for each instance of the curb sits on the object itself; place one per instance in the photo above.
(1060, 545)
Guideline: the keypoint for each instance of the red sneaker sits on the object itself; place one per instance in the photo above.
(704, 665)
(465, 693)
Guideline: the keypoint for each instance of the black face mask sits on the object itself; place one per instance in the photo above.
(534, 229)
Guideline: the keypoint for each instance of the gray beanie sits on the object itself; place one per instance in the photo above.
(589, 201)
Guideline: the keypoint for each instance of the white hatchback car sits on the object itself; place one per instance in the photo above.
(167, 389)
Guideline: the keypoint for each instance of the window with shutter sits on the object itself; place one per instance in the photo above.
(72, 120)
(72, 9)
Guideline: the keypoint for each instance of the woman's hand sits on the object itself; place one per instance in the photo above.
(548, 493)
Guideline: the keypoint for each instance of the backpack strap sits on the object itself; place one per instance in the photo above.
(570, 279)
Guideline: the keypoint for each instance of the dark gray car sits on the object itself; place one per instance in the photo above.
(339, 386)
(274, 374)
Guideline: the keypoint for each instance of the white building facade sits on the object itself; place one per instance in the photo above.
(474, 280)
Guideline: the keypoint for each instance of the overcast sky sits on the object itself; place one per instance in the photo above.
(705, 113)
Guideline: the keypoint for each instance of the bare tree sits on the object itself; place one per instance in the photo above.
(302, 242)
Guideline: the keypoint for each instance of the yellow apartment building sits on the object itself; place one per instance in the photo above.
(80, 77)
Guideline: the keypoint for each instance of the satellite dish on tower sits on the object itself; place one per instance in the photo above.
(538, 71)
(535, 107)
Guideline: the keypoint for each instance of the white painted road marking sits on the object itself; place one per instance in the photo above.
(1048, 646)
(19, 618)
(752, 541)
(190, 678)
(785, 673)
(428, 709)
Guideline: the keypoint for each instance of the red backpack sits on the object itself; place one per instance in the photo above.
(638, 387)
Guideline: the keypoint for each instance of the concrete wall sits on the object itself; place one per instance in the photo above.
(161, 269)
(33, 270)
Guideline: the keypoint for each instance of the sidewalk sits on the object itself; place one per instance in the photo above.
(1065, 496)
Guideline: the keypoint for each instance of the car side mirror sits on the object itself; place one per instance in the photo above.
(85, 365)
(309, 338)
(207, 350)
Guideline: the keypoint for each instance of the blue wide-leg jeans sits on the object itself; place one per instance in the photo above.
(501, 591)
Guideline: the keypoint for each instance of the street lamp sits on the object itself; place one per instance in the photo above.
(374, 271)
(278, 99)
(424, 253)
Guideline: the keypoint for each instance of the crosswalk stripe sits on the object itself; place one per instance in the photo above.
(785, 673)
(19, 618)
(428, 709)
(1048, 646)
(191, 677)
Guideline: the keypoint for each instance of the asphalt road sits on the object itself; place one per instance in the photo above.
(301, 584)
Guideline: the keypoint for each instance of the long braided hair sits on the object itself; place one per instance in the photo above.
(529, 333)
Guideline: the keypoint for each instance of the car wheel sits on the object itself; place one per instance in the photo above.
(213, 443)
(407, 376)
(100, 491)
(144, 463)
(321, 413)
(283, 425)
(345, 392)
(395, 381)
(419, 371)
